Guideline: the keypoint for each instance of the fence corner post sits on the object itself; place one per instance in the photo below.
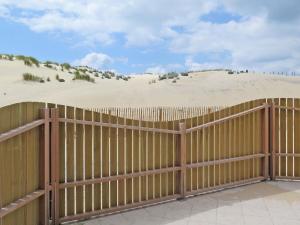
(44, 167)
(55, 165)
(182, 157)
(266, 140)
(272, 143)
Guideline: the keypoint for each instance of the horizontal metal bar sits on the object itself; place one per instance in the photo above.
(118, 209)
(226, 186)
(223, 161)
(222, 120)
(22, 129)
(287, 107)
(288, 154)
(20, 203)
(129, 127)
(117, 177)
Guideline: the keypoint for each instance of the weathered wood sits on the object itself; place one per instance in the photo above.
(272, 142)
(44, 167)
(182, 154)
(103, 163)
(55, 164)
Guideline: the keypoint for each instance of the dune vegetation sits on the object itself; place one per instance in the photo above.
(34, 78)
(28, 60)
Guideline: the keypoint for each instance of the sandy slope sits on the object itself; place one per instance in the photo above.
(206, 88)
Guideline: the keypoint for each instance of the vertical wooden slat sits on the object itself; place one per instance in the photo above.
(97, 161)
(290, 137)
(129, 169)
(70, 161)
(121, 162)
(55, 164)
(105, 162)
(113, 161)
(265, 127)
(44, 168)
(272, 141)
(297, 138)
(283, 138)
(182, 153)
(79, 161)
(88, 161)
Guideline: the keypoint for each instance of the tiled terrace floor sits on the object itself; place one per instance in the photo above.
(271, 203)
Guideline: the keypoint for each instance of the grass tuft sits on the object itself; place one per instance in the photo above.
(66, 66)
(78, 76)
(31, 77)
(171, 75)
(28, 60)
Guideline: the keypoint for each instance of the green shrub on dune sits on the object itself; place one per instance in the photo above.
(28, 60)
(31, 77)
(78, 76)
(66, 66)
(171, 75)
(7, 57)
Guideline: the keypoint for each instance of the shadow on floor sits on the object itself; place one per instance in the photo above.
(262, 203)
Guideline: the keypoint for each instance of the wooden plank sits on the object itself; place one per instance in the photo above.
(113, 161)
(283, 137)
(136, 161)
(129, 166)
(143, 156)
(14, 206)
(97, 161)
(88, 161)
(189, 155)
(6, 171)
(70, 166)
(194, 153)
(182, 151)
(121, 162)
(79, 161)
(297, 138)
(277, 137)
(44, 166)
(205, 152)
(151, 160)
(105, 162)
(62, 160)
(217, 134)
(290, 137)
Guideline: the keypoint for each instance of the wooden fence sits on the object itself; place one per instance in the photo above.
(60, 163)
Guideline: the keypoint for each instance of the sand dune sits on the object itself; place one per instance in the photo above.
(203, 88)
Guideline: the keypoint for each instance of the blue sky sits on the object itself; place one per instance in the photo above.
(138, 36)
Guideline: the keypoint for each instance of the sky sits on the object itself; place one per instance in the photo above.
(158, 36)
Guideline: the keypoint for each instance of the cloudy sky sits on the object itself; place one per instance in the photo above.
(155, 36)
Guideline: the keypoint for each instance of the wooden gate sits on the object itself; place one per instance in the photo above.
(60, 163)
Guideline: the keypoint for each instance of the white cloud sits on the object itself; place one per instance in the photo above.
(266, 38)
(191, 65)
(156, 70)
(160, 69)
(95, 60)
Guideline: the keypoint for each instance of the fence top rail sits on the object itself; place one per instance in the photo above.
(129, 127)
(287, 107)
(243, 113)
(22, 129)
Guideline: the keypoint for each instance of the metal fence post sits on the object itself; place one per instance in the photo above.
(44, 168)
(182, 157)
(55, 165)
(272, 142)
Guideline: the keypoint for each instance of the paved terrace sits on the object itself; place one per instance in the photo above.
(268, 203)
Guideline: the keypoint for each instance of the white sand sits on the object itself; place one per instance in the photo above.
(206, 88)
